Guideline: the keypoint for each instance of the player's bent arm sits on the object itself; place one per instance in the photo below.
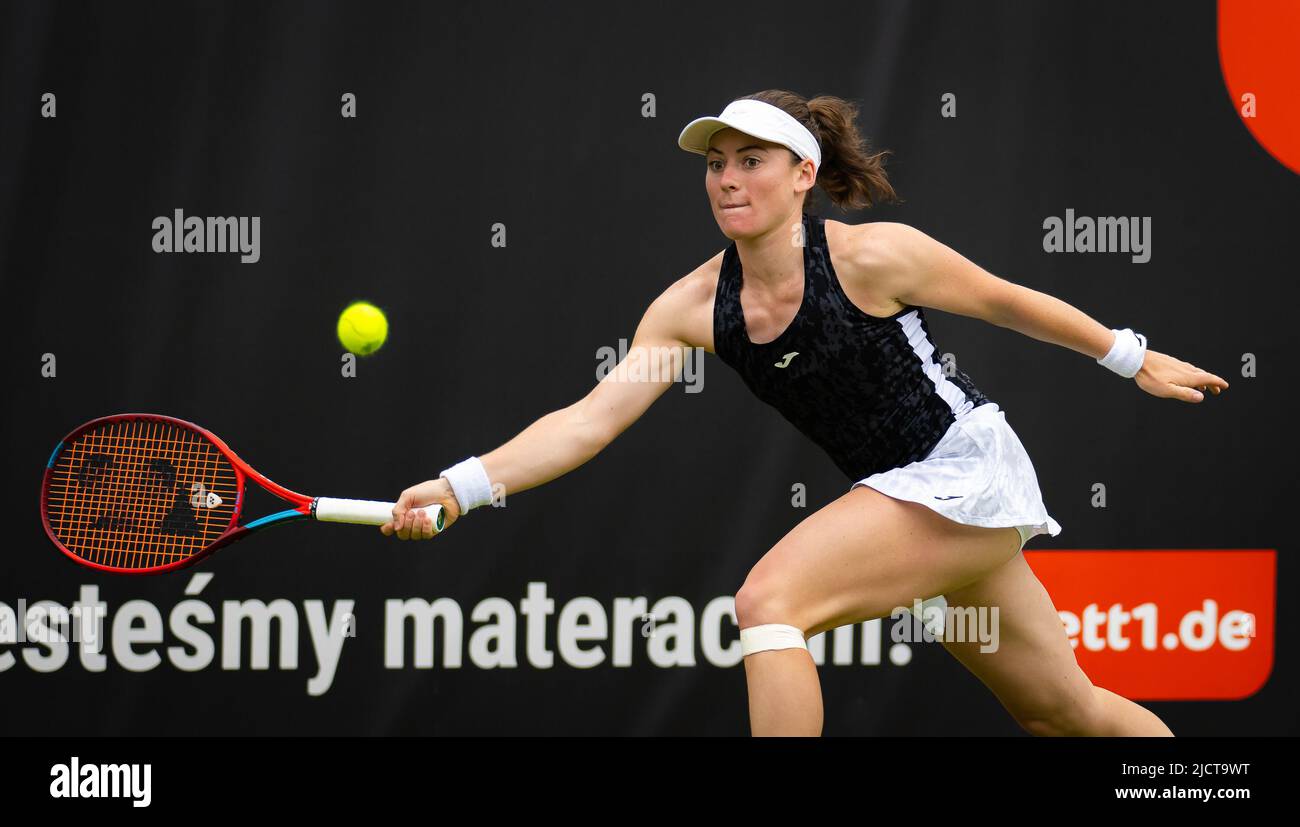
(564, 439)
(918, 270)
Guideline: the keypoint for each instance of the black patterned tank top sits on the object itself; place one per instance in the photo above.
(867, 389)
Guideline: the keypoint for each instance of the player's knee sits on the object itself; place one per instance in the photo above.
(766, 620)
(1042, 727)
(1065, 715)
(763, 600)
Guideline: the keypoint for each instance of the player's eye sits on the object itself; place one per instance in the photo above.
(716, 165)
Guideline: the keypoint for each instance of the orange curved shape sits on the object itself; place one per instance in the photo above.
(1259, 55)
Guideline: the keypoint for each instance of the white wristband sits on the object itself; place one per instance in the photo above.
(1126, 354)
(470, 483)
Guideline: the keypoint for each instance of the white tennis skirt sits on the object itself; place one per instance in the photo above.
(978, 474)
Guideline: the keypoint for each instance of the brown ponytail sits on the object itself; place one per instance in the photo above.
(851, 175)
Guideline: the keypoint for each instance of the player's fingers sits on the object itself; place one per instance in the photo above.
(1186, 394)
(386, 529)
(426, 526)
(402, 505)
(1211, 381)
(1202, 382)
(404, 526)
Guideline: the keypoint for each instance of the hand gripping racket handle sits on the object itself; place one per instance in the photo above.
(365, 512)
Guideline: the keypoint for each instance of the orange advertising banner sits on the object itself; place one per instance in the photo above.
(1167, 624)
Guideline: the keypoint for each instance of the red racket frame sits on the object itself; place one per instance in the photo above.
(302, 509)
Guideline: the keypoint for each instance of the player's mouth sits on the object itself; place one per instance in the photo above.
(733, 207)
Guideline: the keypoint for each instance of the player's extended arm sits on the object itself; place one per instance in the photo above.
(919, 270)
(564, 439)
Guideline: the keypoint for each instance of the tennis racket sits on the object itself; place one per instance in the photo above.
(145, 493)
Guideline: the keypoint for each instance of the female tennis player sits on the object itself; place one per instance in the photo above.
(826, 322)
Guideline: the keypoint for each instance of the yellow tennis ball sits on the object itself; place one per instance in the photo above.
(362, 328)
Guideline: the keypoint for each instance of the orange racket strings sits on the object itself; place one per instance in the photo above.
(135, 494)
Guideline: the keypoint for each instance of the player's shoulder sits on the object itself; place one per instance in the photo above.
(696, 288)
(873, 240)
(878, 246)
(686, 305)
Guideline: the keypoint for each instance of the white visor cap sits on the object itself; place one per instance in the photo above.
(762, 120)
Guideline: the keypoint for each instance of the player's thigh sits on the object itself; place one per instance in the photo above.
(1033, 670)
(861, 556)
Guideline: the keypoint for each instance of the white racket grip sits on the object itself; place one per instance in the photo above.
(365, 512)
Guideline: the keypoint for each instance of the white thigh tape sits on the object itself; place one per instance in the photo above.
(937, 610)
(770, 636)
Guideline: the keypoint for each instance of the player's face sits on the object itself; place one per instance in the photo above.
(752, 184)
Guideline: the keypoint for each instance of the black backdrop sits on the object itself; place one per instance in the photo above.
(531, 115)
